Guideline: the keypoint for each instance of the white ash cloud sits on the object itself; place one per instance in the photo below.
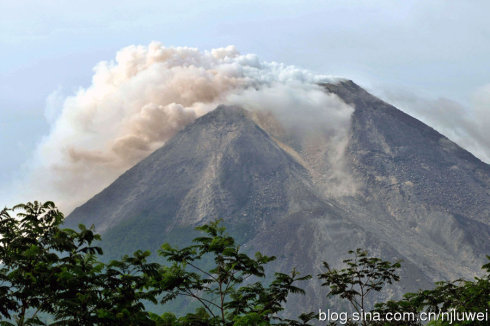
(313, 123)
(147, 94)
(466, 125)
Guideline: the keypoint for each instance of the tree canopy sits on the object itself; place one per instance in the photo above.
(50, 275)
(54, 271)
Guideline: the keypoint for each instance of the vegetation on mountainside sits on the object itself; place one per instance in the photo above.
(451, 302)
(51, 275)
(55, 271)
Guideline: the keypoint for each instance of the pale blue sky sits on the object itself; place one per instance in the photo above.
(431, 48)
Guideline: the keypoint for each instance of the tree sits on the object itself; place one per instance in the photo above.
(108, 294)
(222, 291)
(54, 271)
(461, 296)
(47, 269)
(34, 251)
(362, 276)
(397, 307)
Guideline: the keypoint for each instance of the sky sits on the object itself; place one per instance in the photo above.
(428, 57)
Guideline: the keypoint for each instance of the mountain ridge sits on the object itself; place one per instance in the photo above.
(407, 202)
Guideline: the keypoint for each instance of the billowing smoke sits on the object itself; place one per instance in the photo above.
(465, 125)
(137, 102)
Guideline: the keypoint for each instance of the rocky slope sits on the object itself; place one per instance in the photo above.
(431, 196)
(412, 194)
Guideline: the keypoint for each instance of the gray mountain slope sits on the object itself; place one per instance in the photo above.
(431, 197)
(420, 197)
(223, 165)
(387, 141)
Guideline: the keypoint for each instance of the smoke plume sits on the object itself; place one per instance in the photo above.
(148, 93)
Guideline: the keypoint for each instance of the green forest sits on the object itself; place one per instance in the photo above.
(52, 275)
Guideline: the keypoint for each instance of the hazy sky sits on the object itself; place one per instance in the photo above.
(431, 58)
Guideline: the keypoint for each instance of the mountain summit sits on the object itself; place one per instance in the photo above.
(415, 195)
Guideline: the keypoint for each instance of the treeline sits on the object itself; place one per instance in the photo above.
(50, 275)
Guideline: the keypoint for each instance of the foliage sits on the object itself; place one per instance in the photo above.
(362, 276)
(461, 296)
(222, 290)
(34, 252)
(46, 270)
(111, 294)
(52, 271)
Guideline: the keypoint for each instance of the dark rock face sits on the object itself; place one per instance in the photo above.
(420, 197)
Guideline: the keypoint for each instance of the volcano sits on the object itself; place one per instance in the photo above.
(404, 192)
